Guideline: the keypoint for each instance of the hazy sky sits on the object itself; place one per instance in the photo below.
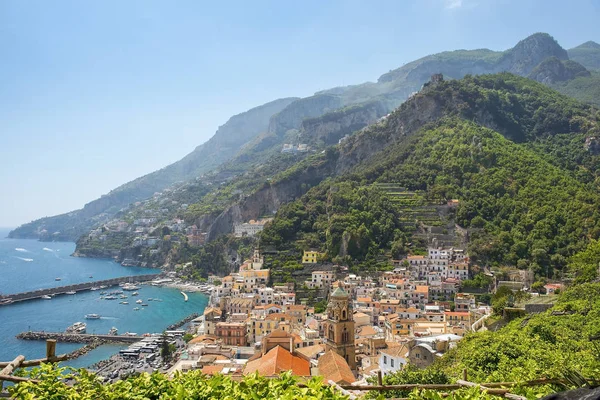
(95, 94)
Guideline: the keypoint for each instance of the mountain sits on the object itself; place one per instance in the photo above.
(248, 141)
(473, 140)
(228, 139)
(586, 54)
(553, 70)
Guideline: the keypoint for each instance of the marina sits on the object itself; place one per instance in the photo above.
(60, 311)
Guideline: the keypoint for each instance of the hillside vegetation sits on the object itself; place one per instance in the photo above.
(528, 199)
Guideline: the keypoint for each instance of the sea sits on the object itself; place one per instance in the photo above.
(30, 264)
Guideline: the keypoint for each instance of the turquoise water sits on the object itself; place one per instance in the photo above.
(52, 260)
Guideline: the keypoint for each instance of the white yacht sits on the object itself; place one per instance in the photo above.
(92, 316)
(46, 297)
(140, 301)
(77, 327)
(71, 292)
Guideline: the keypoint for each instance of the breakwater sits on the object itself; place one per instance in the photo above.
(184, 321)
(36, 294)
(78, 337)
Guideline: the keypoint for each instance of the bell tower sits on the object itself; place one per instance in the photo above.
(339, 326)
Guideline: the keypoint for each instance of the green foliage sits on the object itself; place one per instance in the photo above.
(409, 375)
(187, 337)
(544, 345)
(344, 219)
(480, 280)
(585, 264)
(190, 385)
(585, 89)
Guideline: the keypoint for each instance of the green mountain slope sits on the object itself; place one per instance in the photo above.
(248, 140)
(586, 89)
(523, 206)
(586, 54)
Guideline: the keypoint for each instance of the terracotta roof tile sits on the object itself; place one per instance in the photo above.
(333, 367)
(278, 360)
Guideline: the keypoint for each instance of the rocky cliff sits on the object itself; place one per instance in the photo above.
(329, 128)
(553, 70)
(292, 116)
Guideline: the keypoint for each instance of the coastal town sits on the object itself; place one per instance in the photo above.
(356, 329)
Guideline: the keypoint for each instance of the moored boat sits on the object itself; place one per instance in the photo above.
(46, 297)
(92, 316)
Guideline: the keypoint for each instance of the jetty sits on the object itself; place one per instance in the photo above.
(78, 337)
(59, 290)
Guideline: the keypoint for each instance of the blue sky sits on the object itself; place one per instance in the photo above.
(95, 94)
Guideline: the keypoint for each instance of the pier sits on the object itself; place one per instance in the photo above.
(36, 294)
(78, 337)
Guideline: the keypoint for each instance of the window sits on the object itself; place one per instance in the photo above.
(392, 362)
(385, 359)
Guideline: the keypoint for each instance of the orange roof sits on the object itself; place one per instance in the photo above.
(367, 331)
(333, 367)
(415, 257)
(364, 299)
(212, 369)
(278, 360)
(422, 288)
(203, 338)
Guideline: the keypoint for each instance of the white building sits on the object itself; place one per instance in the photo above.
(393, 359)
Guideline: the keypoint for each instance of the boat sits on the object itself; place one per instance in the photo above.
(91, 277)
(130, 287)
(77, 327)
(6, 301)
(122, 296)
(150, 299)
(140, 301)
(92, 316)
(124, 302)
(103, 292)
(94, 288)
(110, 298)
(113, 331)
(136, 309)
(103, 287)
(71, 292)
(134, 293)
(46, 297)
(57, 279)
(144, 305)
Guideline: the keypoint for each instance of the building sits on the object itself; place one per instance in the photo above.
(393, 359)
(339, 327)
(310, 257)
(250, 228)
(319, 279)
(232, 333)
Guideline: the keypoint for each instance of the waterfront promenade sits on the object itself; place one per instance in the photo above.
(36, 294)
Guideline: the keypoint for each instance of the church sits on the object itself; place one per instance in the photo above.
(339, 327)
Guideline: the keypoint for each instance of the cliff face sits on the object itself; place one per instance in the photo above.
(529, 52)
(292, 116)
(553, 70)
(331, 127)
